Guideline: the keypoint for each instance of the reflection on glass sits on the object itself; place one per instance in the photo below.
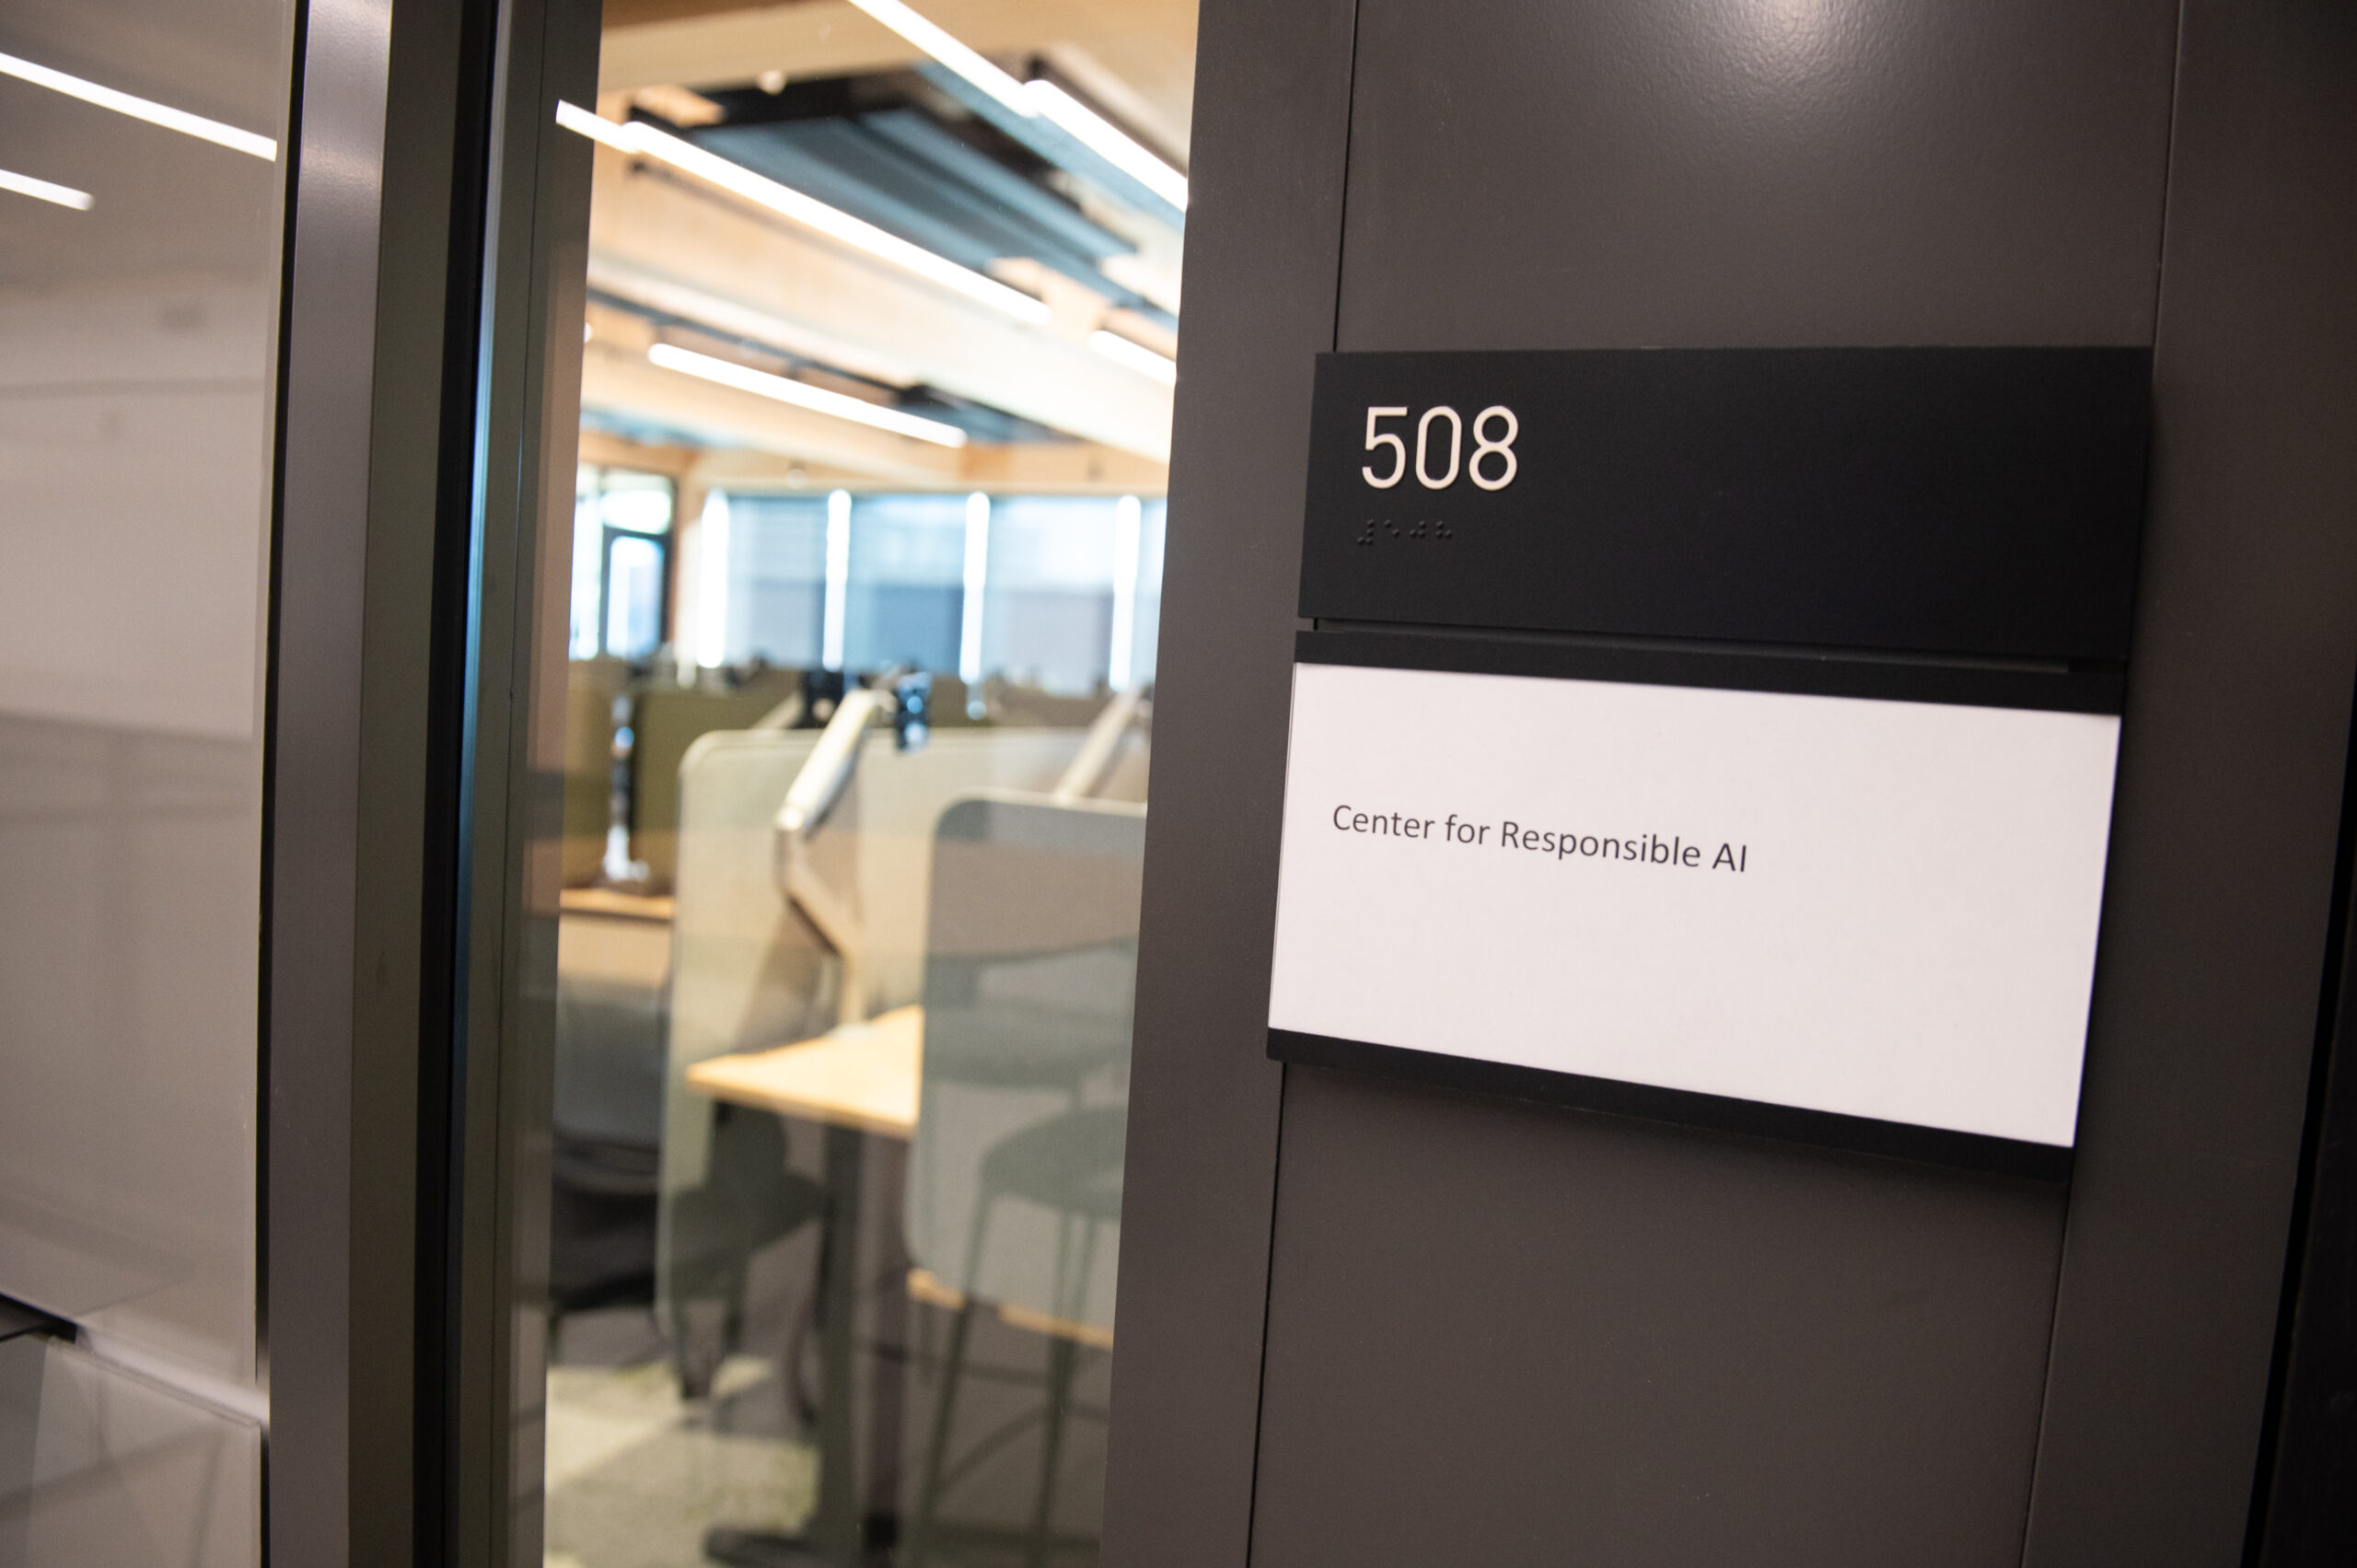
(855, 822)
(140, 247)
(99, 1465)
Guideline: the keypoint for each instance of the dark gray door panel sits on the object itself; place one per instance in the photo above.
(2230, 799)
(1668, 1348)
(1507, 1334)
(1804, 173)
(1263, 230)
(1498, 1333)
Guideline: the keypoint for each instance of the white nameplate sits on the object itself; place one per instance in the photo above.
(1877, 909)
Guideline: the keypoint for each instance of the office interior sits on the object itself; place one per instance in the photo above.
(858, 719)
(590, 964)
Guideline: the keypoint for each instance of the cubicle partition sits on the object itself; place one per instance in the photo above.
(748, 969)
(738, 1106)
(1013, 1215)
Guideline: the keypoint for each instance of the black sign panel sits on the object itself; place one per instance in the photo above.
(1957, 501)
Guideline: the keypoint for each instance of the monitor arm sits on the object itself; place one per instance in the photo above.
(1091, 764)
(808, 802)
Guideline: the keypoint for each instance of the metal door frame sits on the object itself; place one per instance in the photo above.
(437, 228)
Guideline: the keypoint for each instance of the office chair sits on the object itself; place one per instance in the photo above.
(606, 1127)
(748, 1200)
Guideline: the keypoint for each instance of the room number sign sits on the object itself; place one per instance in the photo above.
(1947, 500)
(1785, 807)
(1500, 447)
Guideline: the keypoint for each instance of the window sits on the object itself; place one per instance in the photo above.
(621, 564)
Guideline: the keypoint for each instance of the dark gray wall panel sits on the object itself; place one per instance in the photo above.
(1607, 173)
(1497, 1333)
(1262, 235)
(1504, 1334)
(2207, 1008)
(1671, 1349)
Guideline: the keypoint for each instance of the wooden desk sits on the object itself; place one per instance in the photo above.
(856, 1080)
(860, 1075)
(607, 900)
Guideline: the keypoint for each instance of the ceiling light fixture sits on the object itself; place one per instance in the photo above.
(639, 139)
(141, 108)
(744, 379)
(1137, 356)
(63, 195)
(664, 295)
(1108, 141)
(937, 42)
(1036, 100)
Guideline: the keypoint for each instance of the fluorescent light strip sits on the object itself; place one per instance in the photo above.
(141, 108)
(1137, 356)
(1037, 100)
(63, 195)
(596, 127)
(639, 139)
(949, 51)
(732, 320)
(1108, 141)
(744, 379)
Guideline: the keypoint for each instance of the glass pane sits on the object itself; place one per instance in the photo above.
(844, 1024)
(99, 1464)
(139, 270)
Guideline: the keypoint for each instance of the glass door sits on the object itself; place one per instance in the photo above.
(878, 351)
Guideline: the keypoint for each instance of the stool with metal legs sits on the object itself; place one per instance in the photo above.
(749, 1200)
(1014, 1184)
(1070, 1166)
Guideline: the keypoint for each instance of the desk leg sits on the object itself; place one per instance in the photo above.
(832, 1537)
(834, 1528)
(884, 1269)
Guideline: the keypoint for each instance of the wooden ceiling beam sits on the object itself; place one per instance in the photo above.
(755, 443)
(603, 448)
(1148, 46)
(625, 386)
(668, 232)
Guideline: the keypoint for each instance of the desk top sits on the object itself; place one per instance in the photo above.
(608, 900)
(862, 1075)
